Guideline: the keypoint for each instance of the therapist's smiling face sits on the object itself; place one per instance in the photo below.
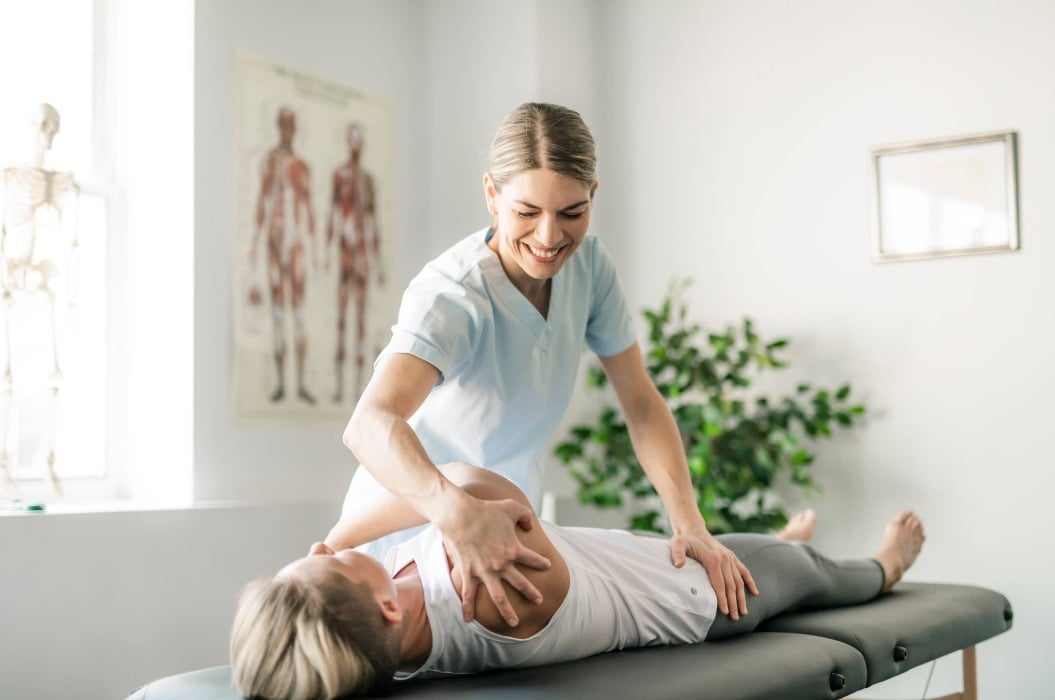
(542, 218)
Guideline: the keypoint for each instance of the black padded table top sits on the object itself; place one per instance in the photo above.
(206, 684)
(913, 624)
(759, 666)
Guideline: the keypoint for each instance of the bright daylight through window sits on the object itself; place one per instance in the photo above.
(57, 201)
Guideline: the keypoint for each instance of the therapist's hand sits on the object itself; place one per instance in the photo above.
(483, 546)
(728, 574)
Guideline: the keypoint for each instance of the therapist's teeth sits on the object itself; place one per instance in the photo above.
(541, 253)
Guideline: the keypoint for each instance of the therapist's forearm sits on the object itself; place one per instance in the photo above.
(657, 444)
(386, 445)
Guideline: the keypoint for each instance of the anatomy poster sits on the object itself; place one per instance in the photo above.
(313, 236)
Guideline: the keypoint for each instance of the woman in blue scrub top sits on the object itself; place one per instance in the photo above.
(483, 360)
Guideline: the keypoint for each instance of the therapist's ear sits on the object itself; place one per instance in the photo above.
(593, 190)
(490, 192)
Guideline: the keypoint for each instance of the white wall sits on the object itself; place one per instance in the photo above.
(482, 59)
(744, 131)
(470, 82)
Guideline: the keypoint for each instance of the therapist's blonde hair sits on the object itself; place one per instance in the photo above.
(541, 135)
(321, 638)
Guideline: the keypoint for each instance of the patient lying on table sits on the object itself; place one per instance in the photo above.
(339, 623)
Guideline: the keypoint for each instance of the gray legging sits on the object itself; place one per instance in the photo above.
(791, 576)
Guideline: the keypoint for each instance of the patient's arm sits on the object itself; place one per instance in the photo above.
(389, 513)
(376, 518)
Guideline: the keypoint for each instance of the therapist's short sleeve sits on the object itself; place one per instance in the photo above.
(608, 329)
(437, 322)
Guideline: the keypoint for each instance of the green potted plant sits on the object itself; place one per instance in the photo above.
(737, 442)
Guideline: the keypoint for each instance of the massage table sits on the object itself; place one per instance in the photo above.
(828, 653)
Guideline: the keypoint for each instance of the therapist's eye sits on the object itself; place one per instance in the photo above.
(527, 214)
(573, 215)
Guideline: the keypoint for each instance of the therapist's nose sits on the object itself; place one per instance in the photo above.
(548, 232)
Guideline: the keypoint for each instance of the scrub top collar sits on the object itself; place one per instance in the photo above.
(514, 299)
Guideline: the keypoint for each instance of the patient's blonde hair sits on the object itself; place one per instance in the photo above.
(296, 639)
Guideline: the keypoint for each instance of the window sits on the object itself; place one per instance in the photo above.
(55, 247)
(120, 73)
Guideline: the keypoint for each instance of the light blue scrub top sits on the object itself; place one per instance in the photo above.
(507, 372)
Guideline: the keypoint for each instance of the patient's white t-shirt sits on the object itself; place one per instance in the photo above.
(624, 592)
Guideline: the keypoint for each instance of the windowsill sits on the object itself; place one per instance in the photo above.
(115, 491)
(103, 506)
(133, 506)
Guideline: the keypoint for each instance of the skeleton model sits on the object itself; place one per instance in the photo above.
(30, 243)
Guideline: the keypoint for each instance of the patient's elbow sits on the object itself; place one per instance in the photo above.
(355, 434)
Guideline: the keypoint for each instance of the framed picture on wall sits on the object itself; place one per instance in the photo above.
(945, 197)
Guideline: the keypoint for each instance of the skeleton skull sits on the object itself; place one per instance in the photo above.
(46, 121)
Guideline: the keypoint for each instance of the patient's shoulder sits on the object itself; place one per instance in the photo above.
(553, 584)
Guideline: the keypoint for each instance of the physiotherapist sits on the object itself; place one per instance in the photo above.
(483, 360)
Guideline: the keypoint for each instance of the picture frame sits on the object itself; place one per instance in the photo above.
(945, 197)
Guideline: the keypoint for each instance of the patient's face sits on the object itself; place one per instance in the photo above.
(354, 566)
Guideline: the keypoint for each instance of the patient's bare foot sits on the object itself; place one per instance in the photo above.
(902, 541)
(799, 527)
